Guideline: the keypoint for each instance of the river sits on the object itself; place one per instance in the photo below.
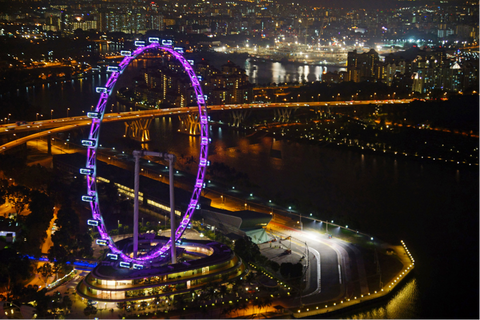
(432, 207)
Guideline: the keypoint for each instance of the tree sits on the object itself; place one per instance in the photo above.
(41, 303)
(19, 196)
(36, 223)
(67, 241)
(59, 254)
(46, 271)
(3, 189)
(257, 303)
(84, 244)
(243, 306)
(246, 249)
(286, 269)
(67, 219)
(275, 266)
(225, 311)
(41, 208)
(89, 310)
(14, 267)
(223, 290)
(267, 302)
(210, 292)
(67, 301)
(290, 270)
(62, 237)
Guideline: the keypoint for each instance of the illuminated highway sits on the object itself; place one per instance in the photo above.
(66, 124)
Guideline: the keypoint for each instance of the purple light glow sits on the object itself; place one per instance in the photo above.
(91, 155)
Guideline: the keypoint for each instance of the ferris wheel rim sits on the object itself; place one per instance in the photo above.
(92, 144)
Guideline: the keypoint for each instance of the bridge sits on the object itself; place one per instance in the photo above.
(48, 127)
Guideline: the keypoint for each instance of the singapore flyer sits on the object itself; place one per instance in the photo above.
(92, 142)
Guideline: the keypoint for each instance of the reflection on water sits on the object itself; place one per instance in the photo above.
(318, 72)
(104, 48)
(277, 72)
(401, 305)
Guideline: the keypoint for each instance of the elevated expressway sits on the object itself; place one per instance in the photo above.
(48, 127)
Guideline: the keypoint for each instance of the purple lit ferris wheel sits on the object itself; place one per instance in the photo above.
(92, 143)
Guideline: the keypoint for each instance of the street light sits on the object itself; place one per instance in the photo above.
(36, 117)
(68, 109)
(51, 114)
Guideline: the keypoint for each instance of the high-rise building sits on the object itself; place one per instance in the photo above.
(363, 66)
(129, 20)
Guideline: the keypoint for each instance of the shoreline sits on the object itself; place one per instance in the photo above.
(372, 297)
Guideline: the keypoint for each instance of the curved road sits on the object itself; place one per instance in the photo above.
(66, 124)
(329, 266)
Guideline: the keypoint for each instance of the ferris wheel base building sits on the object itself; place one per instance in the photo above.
(200, 262)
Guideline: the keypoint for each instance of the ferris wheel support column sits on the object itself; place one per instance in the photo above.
(173, 251)
(136, 155)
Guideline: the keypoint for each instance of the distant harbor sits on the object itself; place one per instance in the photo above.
(260, 59)
(262, 71)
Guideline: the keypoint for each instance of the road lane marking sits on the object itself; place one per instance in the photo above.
(319, 274)
(339, 274)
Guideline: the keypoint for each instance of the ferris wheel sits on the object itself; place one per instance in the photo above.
(138, 262)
